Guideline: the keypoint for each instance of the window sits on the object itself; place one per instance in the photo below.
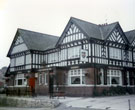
(74, 52)
(134, 56)
(42, 78)
(76, 77)
(115, 53)
(101, 77)
(20, 80)
(114, 77)
(128, 81)
(45, 78)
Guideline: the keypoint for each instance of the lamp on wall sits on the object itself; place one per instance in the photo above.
(36, 75)
(27, 76)
(87, 74)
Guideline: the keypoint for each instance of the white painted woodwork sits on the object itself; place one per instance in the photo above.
(28, 67)
(19, 40)
(73, 34)
(116, 37)
(133, 43)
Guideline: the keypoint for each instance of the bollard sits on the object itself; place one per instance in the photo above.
(129, 104)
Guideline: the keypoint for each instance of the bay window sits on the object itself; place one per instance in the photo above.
(76, 77)
(114, 77)
(20, 80)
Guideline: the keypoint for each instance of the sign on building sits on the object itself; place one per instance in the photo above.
(83, 55)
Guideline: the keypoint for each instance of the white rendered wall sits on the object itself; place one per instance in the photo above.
(20, 61)
(19, 45)
(19, 48)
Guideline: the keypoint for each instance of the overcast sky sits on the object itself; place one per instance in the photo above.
(51, 17)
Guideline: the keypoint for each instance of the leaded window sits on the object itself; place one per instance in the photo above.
(76, 77)
(114, 77)
(115, 53)
(20, 80)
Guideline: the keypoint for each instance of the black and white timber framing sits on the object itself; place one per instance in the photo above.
(106, 46)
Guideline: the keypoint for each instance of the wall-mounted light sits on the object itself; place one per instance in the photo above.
(36, 75)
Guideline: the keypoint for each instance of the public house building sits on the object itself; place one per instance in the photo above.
(86, 57)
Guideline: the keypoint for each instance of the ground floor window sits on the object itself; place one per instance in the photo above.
(114, 77)
(76, 77)
(20, 80)
(42, 78)
(128, 81)
(101, 77)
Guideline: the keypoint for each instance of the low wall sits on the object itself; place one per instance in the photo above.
(27, 102)
(79, 91)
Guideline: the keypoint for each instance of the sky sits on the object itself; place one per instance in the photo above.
(51, 17)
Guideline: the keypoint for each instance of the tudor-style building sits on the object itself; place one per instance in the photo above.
(86, 56)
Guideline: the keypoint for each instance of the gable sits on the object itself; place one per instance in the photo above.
(72, 34)
(18, 46)
(117, 35)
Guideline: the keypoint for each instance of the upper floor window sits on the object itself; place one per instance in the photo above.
(115, 53)
(74, 52)
(134, 56)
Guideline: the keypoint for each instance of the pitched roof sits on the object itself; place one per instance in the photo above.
(35, 40)
(107, 29)
(130, 35)
(94, 30)
(38, 41)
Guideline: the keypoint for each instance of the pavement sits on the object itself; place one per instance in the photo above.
(109, 103)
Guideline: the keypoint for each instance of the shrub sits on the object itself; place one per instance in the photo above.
(95, 93)
(129, 90)
(104, 92)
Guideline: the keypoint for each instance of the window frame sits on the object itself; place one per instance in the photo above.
(20, 77)
(112, 73)
(76, 74)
